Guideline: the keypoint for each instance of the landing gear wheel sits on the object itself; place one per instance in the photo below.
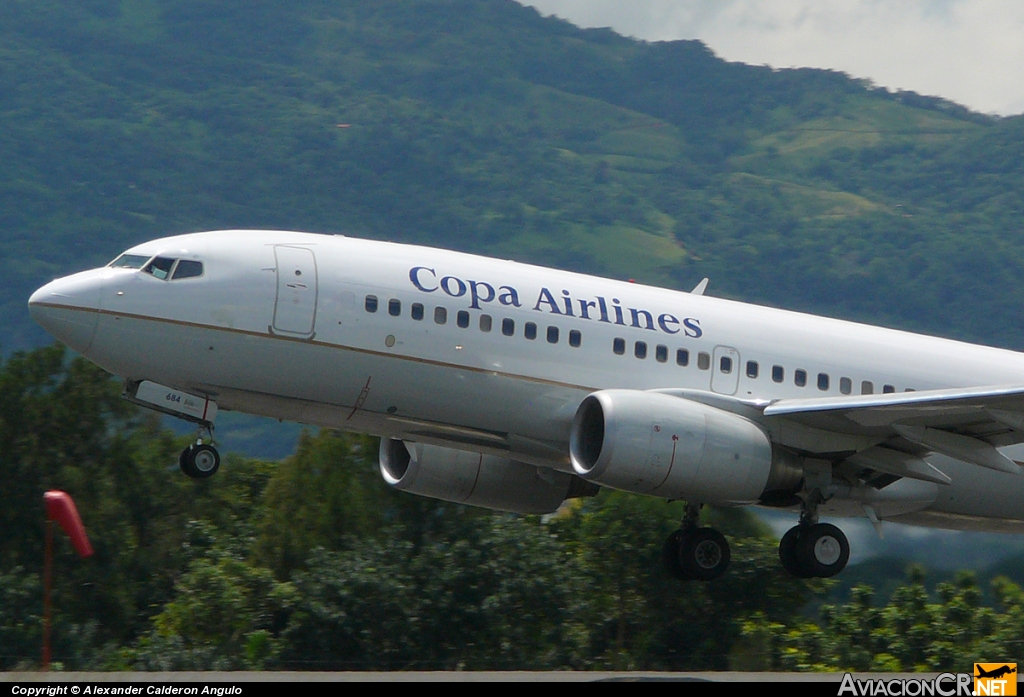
(670, 553)
(200, 461)
(823, 550)
(704, 554)
(788, 552)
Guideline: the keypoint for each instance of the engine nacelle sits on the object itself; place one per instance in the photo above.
(661, 445)
(478, 480)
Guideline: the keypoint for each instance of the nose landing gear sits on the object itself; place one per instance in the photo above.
(200, 460)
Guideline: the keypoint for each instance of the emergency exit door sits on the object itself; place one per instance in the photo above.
(725, 370)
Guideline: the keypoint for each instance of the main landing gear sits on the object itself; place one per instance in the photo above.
(813, 549)
(693, 553)
(200, 460)
(808, 550)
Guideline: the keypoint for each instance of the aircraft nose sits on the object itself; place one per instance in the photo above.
(68, 308)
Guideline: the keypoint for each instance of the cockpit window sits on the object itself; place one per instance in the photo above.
(188, 269)
(159, 267)
(129, 261)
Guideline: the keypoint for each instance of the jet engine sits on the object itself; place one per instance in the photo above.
(478, 480)
(662, 445)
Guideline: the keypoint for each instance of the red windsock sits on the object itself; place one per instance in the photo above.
(60, 507)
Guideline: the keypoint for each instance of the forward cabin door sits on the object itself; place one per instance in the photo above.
(725, 370)
(295, 306)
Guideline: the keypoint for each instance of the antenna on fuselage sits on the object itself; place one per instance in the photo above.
(700, 287)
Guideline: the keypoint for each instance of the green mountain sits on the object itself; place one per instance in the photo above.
(480, 125)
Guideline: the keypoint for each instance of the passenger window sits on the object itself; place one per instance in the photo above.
(416, 311)
(886, 389)
(910, 389)
(575, 338)
(440, 315)
(823, 381)
(188, 269)
(845, 385)
(725, 364)
(530, 331)
(508, 327)
(619, 346)
(752, 369)
(800, 377)
(552, 335)
(394, 307)
(867, 387)
(462, 318)
(661, 353)
(640, 349)
(682, 357)
(371, 303)
(160, 267)
(485, 323)
(778, 373)
(703, 360)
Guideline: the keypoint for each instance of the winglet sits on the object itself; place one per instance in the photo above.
(700, 288)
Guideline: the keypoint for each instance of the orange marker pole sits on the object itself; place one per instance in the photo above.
(47, 583)
(59, 508)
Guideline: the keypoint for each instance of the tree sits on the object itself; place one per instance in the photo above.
(910, 632)
(637, 617)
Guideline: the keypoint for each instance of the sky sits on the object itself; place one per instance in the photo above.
(968, 51)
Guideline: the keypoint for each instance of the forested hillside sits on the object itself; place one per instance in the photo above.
(475, 125)
(479, 125)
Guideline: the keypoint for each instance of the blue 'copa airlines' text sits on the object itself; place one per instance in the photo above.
(600, 309)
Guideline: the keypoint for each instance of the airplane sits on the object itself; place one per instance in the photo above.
(516, 387)
(997, 673)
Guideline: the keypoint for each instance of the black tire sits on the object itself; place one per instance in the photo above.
(704, 554)
(788, 554)
(201, 461)
(823, 550)
(183, 460)
(670, 552)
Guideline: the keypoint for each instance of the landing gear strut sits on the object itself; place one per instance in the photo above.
(200, 460)
(693, 553)
(813, 549)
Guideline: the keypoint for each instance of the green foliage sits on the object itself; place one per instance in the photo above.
(636, 617)
(21, 623)
(501, 598)
(322, 496)
(912, 632)
(222, 617)
(64, 426)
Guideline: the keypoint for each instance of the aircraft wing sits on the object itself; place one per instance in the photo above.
(967, 424)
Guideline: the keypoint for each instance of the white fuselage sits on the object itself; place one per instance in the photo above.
(279, 324)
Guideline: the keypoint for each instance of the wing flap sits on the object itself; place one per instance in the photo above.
(960, 447)
(899, 464)
(967, 424)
